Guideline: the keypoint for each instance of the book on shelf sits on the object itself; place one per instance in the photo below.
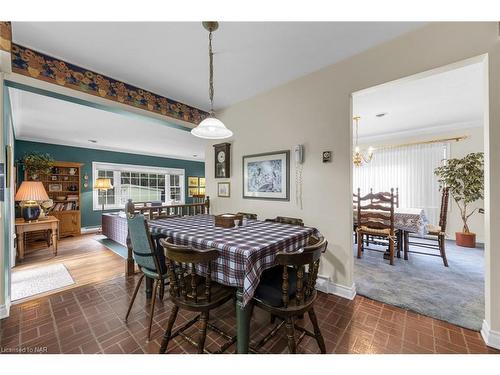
(64, 206)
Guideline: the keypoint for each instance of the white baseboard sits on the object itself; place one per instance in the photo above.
(490, 337)
(4, 311)
(87, 230)
(325, 285)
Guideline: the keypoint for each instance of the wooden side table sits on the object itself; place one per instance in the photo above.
(22, 227)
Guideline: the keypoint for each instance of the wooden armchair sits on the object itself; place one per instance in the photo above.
(436, 234)
(190, 291)
(288, 291)
(376, 219)
(248, 215)
(287, 220)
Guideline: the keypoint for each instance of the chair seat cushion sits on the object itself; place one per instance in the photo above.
(269, 289)
(153, 274)
(433, 229)
(384, 232)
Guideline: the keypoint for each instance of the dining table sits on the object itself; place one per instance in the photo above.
(407, 219)
(245, 252)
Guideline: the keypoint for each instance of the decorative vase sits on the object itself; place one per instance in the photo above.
(72, 171)
(31, 213)
(465, 239)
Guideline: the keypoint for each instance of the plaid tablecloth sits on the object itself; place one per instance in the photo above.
(411, 220)
(245, 252)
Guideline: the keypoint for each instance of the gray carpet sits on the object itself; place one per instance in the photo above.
(422, 283)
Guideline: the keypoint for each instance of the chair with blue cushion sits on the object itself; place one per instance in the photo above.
(150, 261)
(287, 291)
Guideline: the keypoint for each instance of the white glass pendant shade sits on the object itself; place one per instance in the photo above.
(211, 128)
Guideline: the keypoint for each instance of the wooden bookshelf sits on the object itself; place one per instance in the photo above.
(62, 183)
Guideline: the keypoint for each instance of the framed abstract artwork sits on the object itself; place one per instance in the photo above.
(224, 189)
(267, 176)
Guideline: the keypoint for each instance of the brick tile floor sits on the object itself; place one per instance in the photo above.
(89, 319)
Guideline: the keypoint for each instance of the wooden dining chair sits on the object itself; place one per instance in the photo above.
(192, 292)
(376, 219)
(147, 258)
(354, 222)
(436, 234)
(248, 215)
(287, 291)
(287, 220)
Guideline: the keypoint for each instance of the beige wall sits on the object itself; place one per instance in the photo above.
(315, 111)
(473, 143)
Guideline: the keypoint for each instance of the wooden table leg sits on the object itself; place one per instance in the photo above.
(243, 316)
(406, 246)
(20, 246)
(54, 239)
(149, 287)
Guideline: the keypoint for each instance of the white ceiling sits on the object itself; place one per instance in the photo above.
(435, 103)
(170, 58)
(45, 119)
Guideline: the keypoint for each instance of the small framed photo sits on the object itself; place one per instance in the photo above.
(193, 181)
(202, 182)
(224, 189)
(327, 156)
(192, 191)
(55, 187)
(53, 178)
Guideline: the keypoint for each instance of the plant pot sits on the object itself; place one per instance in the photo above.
(465, 239)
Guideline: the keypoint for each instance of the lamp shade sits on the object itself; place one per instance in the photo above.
(211, 128)
(31, 191)
(103, 184)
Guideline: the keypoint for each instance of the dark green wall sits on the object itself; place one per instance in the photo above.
(87, 156)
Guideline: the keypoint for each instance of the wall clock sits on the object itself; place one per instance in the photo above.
(222, 160)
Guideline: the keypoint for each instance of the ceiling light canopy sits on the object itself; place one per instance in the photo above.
(211, 127)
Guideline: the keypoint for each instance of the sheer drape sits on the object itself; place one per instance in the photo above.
(411, 170)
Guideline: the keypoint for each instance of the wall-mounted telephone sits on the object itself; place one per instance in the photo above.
(299, 154)
(299, 160)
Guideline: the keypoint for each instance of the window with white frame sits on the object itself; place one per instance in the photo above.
(139, 183)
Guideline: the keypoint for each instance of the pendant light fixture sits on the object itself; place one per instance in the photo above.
(357, 157)
(211, 127)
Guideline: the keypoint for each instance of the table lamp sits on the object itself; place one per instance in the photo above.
(30, 193)
(103, 184)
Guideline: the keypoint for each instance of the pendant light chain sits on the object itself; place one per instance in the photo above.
(211, 68)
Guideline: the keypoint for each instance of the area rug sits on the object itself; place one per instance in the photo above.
(422, 284)
(115, 247)
(27, 283)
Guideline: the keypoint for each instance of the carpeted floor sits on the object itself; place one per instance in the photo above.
(422, 284)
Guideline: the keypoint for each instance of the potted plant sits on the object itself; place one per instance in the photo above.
(465, 179)
(36, 163)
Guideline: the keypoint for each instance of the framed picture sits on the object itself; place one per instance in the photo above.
(224, 189)
(55, 187)
(193, 181)
(202, 182)
(192, 191)
(267, 176)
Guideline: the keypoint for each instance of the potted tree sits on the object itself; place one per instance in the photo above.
(465, 179)
(36, 163)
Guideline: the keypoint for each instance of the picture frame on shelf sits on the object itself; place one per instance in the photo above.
(224, 189)
(193, 182)
(267, 176)
(55, 187)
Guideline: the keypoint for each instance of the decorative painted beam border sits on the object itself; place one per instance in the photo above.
(5, 36)
(37, 65)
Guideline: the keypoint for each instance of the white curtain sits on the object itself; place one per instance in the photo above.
(411, 170)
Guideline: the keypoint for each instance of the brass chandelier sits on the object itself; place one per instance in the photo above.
(358, 158)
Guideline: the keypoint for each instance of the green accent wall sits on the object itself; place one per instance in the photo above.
(86, 156)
